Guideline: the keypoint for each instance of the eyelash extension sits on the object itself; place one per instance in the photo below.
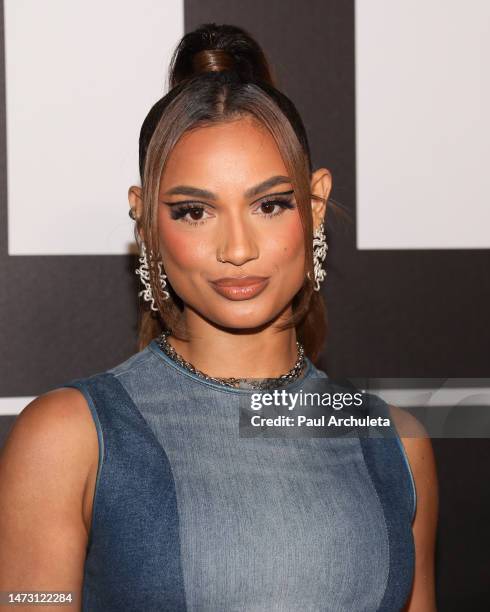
(180, 212)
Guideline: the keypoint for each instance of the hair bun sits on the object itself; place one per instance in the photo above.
(214, 48)
(212, 60)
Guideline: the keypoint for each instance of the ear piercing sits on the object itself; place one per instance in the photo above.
(143, 272)
(320, 248)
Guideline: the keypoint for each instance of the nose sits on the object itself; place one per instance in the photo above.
(238, 242)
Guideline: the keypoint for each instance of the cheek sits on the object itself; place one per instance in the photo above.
(181, 250)
(297, 239)
(287, 247)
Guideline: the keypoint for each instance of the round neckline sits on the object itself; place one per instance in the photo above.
(155, 348)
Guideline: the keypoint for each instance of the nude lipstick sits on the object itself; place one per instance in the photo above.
(240, 287)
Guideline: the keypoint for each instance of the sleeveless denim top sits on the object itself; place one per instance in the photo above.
(188, 516)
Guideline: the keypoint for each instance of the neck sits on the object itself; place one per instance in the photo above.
(226, 353)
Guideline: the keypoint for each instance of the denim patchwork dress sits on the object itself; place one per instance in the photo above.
(188, 515)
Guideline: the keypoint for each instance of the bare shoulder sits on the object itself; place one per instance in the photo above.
(45, 467)
(418, 447)
(53, 407)
(53, 440)
(55, 427)
(420, 453)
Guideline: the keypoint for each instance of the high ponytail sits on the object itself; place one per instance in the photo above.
(214, 47)
(219, 73)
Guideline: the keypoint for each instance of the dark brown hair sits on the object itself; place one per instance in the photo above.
(219, 73)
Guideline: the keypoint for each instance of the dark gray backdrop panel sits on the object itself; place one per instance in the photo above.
(393, 313)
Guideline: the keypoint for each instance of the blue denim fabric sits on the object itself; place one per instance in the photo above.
(189, 516)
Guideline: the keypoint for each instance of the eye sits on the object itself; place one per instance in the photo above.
(189, 213)
(193, 213)
(276, 206)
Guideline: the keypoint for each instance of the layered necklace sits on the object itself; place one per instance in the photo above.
(253, 383)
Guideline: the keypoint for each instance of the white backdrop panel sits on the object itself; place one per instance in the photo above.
(80, 78)
(422, 124)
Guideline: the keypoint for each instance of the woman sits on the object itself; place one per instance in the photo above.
(137, 491)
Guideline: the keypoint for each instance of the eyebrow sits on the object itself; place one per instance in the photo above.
(209, 195)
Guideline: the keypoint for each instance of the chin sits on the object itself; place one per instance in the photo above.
(240, 315)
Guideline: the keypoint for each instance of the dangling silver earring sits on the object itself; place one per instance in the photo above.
(144, 273)
(320, 248)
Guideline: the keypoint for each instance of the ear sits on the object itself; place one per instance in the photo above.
(136, 202)
(321, 185)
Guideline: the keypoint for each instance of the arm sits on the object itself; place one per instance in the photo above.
(422, 462)
(45, 467)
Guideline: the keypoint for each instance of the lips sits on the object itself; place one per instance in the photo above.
(240, 288)
(238, 281)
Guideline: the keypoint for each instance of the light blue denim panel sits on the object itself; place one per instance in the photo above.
(272, 524)
(133, 559)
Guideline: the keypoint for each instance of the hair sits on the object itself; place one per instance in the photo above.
(218, 73)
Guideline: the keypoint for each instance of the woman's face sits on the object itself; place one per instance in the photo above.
(218, 218)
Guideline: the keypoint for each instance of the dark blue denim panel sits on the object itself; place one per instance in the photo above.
(391, 474)
(133, 558)
(377, 406)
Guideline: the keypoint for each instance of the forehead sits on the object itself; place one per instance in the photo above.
(232, 154)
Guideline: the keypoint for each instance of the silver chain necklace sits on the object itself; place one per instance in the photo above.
(265, 383)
